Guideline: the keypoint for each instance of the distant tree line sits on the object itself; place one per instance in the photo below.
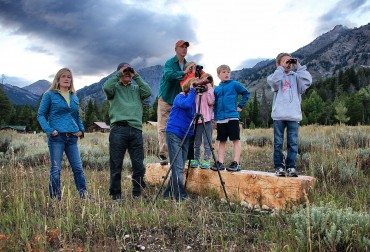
(343, 99)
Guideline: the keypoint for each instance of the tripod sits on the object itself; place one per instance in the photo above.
(199, 90)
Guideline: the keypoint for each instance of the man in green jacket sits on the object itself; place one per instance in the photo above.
(126, 113)
(173, 72)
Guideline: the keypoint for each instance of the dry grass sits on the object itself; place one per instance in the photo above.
(338, 156)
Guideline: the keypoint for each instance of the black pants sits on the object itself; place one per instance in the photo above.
(122, 138)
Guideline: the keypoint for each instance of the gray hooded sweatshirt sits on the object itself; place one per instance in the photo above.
(288, 89)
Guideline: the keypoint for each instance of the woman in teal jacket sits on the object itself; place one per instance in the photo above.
(59, 118)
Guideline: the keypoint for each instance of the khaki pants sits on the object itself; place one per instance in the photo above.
(163, 112)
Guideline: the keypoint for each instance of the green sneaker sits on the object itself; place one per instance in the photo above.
(194, 163)
(205, 164)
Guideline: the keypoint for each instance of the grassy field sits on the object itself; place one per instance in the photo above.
(337, 217)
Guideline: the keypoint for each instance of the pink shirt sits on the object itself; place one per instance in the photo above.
(206, 106)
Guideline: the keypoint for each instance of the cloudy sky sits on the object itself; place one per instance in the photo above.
(38, 37)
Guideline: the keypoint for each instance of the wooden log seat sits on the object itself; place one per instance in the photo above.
(261, 190)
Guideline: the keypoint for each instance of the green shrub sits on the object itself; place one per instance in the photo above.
(330, 229)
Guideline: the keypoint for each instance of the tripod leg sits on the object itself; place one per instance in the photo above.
(215, 159)
(195, 122)
(187, 173)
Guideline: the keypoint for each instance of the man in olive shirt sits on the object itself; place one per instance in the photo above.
(126, 113)
(173, 72)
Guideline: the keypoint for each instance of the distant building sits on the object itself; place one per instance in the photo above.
(99, 127)
(18, 128)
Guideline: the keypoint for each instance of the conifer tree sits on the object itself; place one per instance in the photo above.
(264, 109)
(90, 115)
(355, 109)
(341, 113)
(313, 108)
(256, 111)
(364, 96)
(153, 111)
(6, 107)
(105, 112)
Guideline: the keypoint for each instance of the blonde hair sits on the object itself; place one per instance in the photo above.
(280, 56)
(205, 76)
(55, 84)
(187, 83)
(223, 67)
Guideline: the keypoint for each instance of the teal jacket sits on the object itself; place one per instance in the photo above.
(126, 101)
(169, 86)
(55, 114)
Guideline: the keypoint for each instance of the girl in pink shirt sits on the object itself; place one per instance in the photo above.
(206, 109)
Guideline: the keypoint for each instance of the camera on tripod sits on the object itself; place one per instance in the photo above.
(198, 70)
(201, 85)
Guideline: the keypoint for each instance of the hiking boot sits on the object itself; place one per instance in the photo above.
(163, 160)
(280, 172)
(221, 166)
(205, 164)
(292, 172)
(194, 163)
(233, 167)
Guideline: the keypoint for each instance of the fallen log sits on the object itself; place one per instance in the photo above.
(261, 190)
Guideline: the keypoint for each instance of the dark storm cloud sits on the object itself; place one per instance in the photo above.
(339, 14)
(93, 36)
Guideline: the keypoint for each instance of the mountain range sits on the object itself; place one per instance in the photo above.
(336, 50)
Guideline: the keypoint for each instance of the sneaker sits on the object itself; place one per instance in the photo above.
(292, 172)
(194, 163)
(221, 166)
(233, 167)
(280, 172)
(205, 164)
(163, 160)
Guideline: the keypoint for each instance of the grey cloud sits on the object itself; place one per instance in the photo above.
(93, 36)
(39, 49)
(15, 81)
(339, 14)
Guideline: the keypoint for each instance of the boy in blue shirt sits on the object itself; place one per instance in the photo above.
(226, 114)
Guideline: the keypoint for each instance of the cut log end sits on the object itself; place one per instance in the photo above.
(258, 189)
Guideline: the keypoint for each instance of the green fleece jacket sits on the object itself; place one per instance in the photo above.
(126, 101)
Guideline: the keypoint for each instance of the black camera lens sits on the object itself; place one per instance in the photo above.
(199, 67)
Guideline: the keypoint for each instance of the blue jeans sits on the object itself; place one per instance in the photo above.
(122, 138)
(200, 135)
(175, 186)
(57, 145)
(292, 143)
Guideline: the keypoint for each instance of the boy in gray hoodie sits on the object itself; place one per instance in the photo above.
(288, 87)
